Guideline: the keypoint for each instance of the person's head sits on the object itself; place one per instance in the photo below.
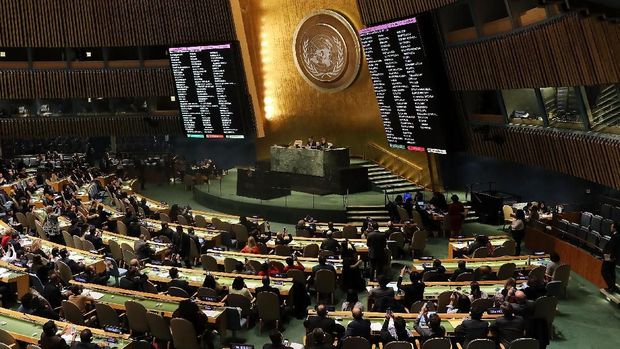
(399, 324)
(179, 229)
(474, 289)
(434, 322)
(164, 225)
(383, 281)
(188, 308)
(174, 273)
(507, 310)
(436, 263)
(86, 336)
(75, 290)
(209, 281)
(318, 335)
(554, 257)
(54, 278)
(134, 263)
(50, 329)
(352, 297)
(521, 297)
(251, 242)
(26, 300)
(265, 280)
(463, 304)
(357, 313)
(329, 234)
(322, 259)
(239, 267)
(289, 261)
(454, 198)
(321, 310)
(415, 277)
(37, 260)
(520, 214)
(462, 265)
(476, 313)
(510, 283)
(276, 337)
(614, 227)
(238, 283)
(63, 253)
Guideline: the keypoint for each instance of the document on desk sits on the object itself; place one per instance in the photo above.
(375, 326)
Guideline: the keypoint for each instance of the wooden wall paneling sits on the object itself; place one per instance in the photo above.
(567, 51)
(375, 11)
(583, 155)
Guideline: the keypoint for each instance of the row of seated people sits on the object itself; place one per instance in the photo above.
(518, 321)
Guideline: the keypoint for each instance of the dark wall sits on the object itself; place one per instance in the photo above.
(528, 182)
(227, 153)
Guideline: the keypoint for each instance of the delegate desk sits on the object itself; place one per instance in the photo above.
(299, 243)
(461, 243)
(448, 321)
(434, 288)
(196, 277)
(307, 262)
(76, 255)
(153, 302)
(159, 248)
(522, 263)
(28, 329)
(12, 274)
(214, 236)
(228, 218)
(309, 162)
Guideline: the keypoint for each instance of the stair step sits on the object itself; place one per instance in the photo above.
(377, 218)
(365, 207)
(395, 185)
(381, 176)
(373, 170)
(386, 181)
(369, 165)
(381, 211)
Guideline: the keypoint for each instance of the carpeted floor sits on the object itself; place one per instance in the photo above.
(585, 319)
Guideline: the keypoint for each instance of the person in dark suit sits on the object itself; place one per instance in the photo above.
(318, 339)
(462, 268)
(322, 265)
(166, 231)
(267, 287)
(377, 294)
(86, 340)
(320, 320)
(472, 328)
(523, 306)
(330, 244)
(610, 258)
(414, 291)
(176, 282)
(508, 327)
(359, 327)
(51, 340)
(394, 329)
(376, 242)
(52, 291)
(433, 328)
(276, 341)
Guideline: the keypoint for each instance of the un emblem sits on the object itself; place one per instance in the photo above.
(327, 51)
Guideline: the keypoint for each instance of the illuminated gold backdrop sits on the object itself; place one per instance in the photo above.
(294, 110)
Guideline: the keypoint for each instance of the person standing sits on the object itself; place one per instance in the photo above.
(376, 242)
(517, 229)
(610, 257)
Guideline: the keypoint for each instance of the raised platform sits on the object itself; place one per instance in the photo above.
(222, 196)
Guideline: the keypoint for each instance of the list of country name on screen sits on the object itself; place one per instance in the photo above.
(403, 85)
(209, 91)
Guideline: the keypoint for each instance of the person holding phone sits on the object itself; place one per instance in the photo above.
(394, 329)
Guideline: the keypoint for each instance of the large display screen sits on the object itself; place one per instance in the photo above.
(404, 86)
(210, 88)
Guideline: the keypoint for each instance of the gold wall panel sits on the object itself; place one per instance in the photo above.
(292, 109)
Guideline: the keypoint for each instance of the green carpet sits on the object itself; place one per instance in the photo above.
(585, 319)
